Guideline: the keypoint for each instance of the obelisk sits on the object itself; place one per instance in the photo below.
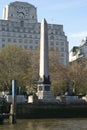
(43, 89)
(44, 65)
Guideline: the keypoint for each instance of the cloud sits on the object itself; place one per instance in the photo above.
(78, 34)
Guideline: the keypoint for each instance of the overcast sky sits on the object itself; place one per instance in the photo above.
(72, 14)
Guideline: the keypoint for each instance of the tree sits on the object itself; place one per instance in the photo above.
(23, 66)
(78, 74)
(15, 63)
(58, 74)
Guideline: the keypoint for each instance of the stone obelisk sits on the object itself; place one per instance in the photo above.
(43, 89)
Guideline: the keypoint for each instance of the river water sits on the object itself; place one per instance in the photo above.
(46, 124)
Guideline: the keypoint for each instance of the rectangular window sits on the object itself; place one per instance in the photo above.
(25, 35)
(25, 47)
(31, 47)
(36, 47)
(14, 40)
(62, 54)
(8, 34)
(51, 48)
(3, 40)
(36, 42)
(20, 40)
(62, 49)
(25, 41)
(30, 42)
(62, 43)
(19, 35)
(30, 36)
(9, 40)
(57, 49)
(57, 43)
(3, 29)
(51, 43)
(3, 45)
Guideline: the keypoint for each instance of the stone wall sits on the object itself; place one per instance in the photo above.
(26, 111)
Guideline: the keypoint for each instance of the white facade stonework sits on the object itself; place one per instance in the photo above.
(78, 52)
(20, 26)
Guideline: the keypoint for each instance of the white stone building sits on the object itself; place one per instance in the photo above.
(20, 26)
(78, 52)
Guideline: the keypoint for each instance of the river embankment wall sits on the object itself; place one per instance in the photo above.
(26, 111)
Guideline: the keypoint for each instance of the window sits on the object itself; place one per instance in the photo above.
(7, 29)
(11, 14)
(30, 36)
(19, 35)
(57, 49)
(62, 49)
(29, 31)
(52, 37)
(51, 48)
(20, 40)
(9, 40)
(25, 41)
(14, 40)
(30, 41)
(3, 33)
(3, 45)
(62, 60)
(62, 43)
(8, 34)
(21, 30)
(31, 47)
(57, 43)
(56, 32)
(36, 42)
(51, 32)
(51, 43)
(32, 17)
(36, 47)
(25, 35)
(25, 46)
(22, 23)
(36, 36)
(3, 40)
(3, 29)
(62, 54)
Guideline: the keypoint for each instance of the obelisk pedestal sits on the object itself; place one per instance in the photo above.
(43, 89)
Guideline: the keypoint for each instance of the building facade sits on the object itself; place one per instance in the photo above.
(20, 26)
(78, 52)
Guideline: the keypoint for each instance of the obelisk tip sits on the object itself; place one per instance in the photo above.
(44, 21)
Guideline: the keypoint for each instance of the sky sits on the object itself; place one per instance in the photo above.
(72, 14)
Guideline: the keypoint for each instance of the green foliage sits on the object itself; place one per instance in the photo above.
(15, 63)
(58, 74)
(78, 76)
(23, 66)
